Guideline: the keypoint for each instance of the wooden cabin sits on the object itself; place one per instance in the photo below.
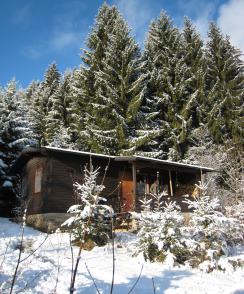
(48, 175)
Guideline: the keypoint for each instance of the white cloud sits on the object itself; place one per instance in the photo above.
(201, 12)
(22, 15)
(204, 18)
(66, 31)
(61, 40)
(138, 14)
(34, 52)
(231, 21)
(57, 42)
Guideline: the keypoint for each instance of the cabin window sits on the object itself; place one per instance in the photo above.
(38, 180)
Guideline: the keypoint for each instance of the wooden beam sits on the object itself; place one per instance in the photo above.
(134, 184)
(170, 184)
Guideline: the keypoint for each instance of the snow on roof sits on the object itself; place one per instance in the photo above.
(168, 162)
(130, 158)
(77, 152)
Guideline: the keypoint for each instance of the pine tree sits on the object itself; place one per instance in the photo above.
(194, 110)
(15, 134)
(59, 116)
(225, 88)
(84, 104)
(167, 88)
(43, 102)
(118, 91)
(108, 86)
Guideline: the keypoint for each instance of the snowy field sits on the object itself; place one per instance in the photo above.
(48, 269)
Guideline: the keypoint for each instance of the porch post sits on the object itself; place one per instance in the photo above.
(170, 184)
(134, 184)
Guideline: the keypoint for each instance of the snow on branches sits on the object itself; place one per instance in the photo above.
(91, 218)
(205, 241)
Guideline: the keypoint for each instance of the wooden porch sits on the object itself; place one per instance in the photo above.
(143, 178)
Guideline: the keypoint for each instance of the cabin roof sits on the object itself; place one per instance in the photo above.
(76, 152)
(163, 162)
(29, 153)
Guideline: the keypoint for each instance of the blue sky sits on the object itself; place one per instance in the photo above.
(35, 33)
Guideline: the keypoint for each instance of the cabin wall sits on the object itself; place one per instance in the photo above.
(35, 200)
(59, 187)
(63, 172)
(60, 171)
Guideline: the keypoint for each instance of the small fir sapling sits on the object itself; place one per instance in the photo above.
(213, 234)
(159, 234)
(163, 235)
(237, 211)
(91, 219)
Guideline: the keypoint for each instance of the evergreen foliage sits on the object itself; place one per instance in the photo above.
(111, 85)
(203, 242)
(91, 219)
(225, 88)
(194, 109)
(89, 116)
(159, 234)
(59, 116)
(43, 101)
(167, 88)
(16, 133)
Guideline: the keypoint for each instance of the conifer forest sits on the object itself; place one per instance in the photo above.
(179, 98)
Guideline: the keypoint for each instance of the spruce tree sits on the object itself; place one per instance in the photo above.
(225, 88)
(167, 86)
(107, 86)
(59, 116)
(43, 102)
(15, 134)
(84, 104)
(194, 109)
(118, 86)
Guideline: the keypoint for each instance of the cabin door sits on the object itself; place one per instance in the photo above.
(126, 191)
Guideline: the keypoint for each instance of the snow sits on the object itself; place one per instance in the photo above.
(134, 157)
(2, 164)
(77, 152)
(51, 264)
(7, 184)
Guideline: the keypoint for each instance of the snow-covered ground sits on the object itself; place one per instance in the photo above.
(48, 269)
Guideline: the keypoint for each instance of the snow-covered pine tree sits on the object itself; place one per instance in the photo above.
(167, 86)
(160, 237)
(59, 116)
(119, 90)
(78, 110)
(29, 93)
(109, 86)
(84, 91)
(214, 234)
(90, 218)
(3, 147)
(194, 109)
(43, 101)
(15, 134)
(225, 87)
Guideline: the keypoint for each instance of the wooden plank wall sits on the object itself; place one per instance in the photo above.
(35, 200)
(63, 172)
(60, 171)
